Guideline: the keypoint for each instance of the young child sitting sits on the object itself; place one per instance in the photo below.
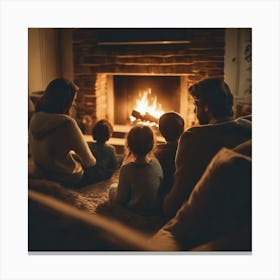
(105, 154)
(171, 126)
(140, 175)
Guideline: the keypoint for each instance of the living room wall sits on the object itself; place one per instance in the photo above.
(49, 56)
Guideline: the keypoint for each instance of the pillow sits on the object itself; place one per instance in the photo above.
(219, 204)
(244, 148)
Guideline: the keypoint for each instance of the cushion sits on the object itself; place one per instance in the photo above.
(219, 204)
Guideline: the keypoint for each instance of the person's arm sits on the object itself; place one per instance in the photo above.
(123, 189)
(79, 145)
(186, 174)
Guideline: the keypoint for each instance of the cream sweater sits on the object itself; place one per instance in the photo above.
(58, 147)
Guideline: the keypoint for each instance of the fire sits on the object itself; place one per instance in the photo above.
(147, 105)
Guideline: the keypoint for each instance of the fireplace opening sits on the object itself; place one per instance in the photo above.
(159, 92)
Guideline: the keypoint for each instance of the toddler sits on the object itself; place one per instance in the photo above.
(140, 175)
(105, 154)
(171, 126)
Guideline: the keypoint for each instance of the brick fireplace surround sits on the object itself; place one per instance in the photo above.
(95, 65)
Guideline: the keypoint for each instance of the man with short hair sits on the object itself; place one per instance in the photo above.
(213, 106)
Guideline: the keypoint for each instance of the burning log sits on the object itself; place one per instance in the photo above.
(147, 117)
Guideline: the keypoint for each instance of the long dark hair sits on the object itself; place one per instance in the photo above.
(58, 97)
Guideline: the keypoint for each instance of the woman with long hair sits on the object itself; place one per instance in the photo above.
(57, 146)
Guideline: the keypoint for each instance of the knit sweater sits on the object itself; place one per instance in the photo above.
(57, 146)
(138, 186)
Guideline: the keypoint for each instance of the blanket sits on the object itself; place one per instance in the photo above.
(94, 199)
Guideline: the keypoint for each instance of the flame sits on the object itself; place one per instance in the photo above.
(146, 104)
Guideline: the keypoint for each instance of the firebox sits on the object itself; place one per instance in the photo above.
(120, 95)
(147, 95)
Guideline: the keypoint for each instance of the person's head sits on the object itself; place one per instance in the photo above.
(212, 98)
(140, 140)
(171, 126)
(58, 97)
(102, 131)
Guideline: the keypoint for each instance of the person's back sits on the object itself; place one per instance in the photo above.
(55, 139)
(165, 153)
(50, 143)
(199, 144)
(171, 126)
(144, 181)
(105, 154)
(141, 176)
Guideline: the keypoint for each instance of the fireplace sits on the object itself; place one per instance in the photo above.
(160, 93)
(117, 95)
(111, 74)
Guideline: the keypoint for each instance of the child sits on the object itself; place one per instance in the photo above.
(105, 154)
(171, 126)
(141, 177)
